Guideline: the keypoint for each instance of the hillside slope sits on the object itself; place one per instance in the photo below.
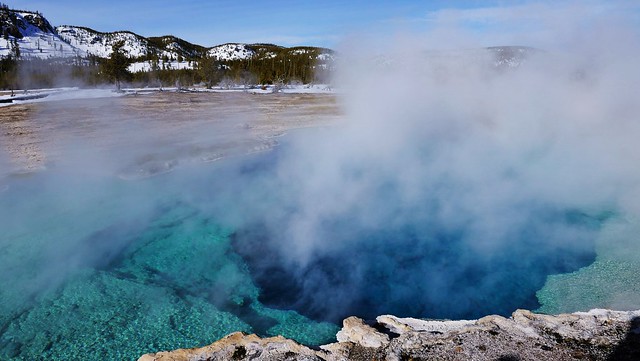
(28, 34)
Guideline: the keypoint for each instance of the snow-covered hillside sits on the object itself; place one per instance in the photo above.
(496, 57)
(239, 51)
(171, 47)
(231, 51)
(100, 44)
(29, 35)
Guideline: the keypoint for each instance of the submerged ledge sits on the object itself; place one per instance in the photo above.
(595, 335)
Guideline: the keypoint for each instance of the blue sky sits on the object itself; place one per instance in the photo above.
(289, 23)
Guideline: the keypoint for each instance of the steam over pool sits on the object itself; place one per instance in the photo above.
(121, 268)
(450, 188)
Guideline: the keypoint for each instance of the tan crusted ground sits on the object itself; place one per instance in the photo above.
(205, 125)
(525, 336)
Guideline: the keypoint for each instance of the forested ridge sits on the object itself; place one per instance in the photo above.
(161, 61)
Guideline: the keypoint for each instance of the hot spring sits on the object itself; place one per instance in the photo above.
(167, 220)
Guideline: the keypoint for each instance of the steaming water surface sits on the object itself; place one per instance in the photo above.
(132, 240)
(106, 249)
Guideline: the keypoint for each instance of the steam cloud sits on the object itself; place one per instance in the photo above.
(453, 187)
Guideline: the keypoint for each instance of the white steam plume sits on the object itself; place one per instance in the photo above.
(446, 143)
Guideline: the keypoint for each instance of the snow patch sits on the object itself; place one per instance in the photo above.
(231, 51)
(147, 66)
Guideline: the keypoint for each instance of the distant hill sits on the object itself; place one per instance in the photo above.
(27, 34)
(34, 37)
(95, 43)
(91, 42)
(44, 51)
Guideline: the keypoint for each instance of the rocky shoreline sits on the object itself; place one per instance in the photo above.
(595, 335)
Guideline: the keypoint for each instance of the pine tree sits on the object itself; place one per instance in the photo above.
(15, 49)
(210, 70)
(116, 67)
(8, 72)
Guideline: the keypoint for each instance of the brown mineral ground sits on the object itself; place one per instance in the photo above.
(207, 126)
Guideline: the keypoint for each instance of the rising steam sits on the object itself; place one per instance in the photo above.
(456, 182)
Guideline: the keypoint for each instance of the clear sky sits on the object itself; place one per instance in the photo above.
(290, 23)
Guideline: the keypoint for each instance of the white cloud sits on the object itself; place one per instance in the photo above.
(529, 24)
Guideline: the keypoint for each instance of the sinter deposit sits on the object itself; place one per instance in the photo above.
(595, 335)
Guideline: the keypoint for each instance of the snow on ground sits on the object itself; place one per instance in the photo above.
(77, 93)
(254, 89)
(270, 89)
(309, 89)
(146, 66)
(58, 94)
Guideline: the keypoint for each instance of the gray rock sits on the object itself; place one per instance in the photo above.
(239, 346)
(354, 330)
(594, 335)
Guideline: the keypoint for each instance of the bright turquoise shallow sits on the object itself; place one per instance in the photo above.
(101, 269)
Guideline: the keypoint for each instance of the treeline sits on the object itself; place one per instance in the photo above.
(39, 73)
(270, 65)
(282, 65)
(279, 66)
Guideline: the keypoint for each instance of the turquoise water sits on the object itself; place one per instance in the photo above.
(92, 264)
(98, 267)
(611, 281)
